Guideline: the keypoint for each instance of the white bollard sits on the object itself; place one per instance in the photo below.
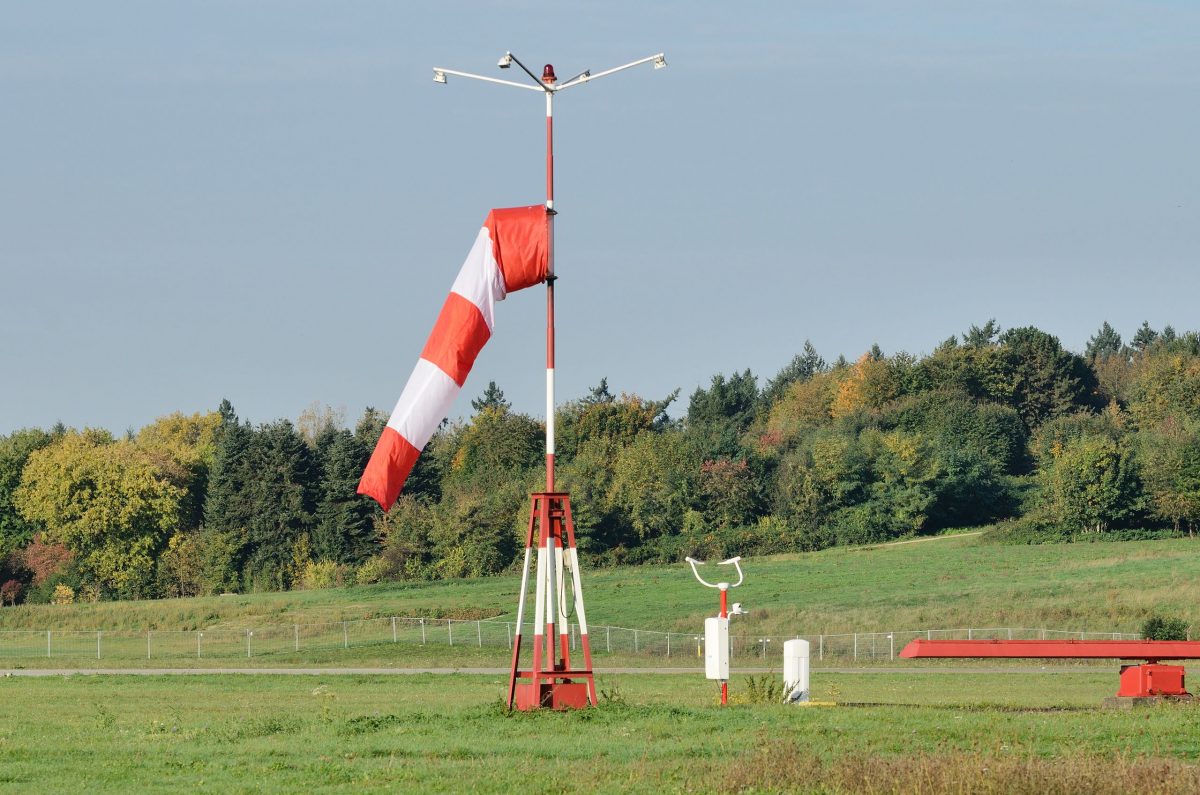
(795, 670)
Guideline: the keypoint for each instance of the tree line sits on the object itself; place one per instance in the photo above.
(1006, 429)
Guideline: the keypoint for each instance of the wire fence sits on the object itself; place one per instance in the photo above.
(295, 639)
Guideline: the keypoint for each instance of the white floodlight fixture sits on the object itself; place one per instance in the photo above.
(505, 60)
(660, 61)
(439, 76)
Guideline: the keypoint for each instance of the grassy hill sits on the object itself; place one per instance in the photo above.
(940, 583)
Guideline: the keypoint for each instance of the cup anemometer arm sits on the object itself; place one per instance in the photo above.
(735, 562)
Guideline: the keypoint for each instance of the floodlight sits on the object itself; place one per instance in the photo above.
(439, 76)
(660, 61)
(505, 61)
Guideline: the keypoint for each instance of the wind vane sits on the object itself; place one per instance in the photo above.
(550, 679)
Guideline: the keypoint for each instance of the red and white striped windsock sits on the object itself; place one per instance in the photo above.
(509, 254)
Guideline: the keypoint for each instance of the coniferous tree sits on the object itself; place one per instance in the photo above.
(1144, 337)
(976, 337)
(1106, 342)
(492, 398)
(282, 497)
(343, 531)
(718, 416)
(802, 367)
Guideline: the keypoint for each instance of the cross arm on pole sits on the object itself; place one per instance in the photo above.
(659, 60)
(439, 76)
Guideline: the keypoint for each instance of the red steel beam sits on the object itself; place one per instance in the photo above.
(1150, 650)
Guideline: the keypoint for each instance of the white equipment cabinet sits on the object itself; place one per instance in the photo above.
(716, 648)
(795, 670)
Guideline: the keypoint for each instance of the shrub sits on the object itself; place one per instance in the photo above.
(63, 595)
(323, 574)
(1159, 628)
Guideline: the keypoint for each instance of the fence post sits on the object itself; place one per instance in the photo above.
(508, 633)
(856, 645)
(892, 646)
(635, 643)
(98, 633)
(608, 639)
(929, 634)
(1010, 633)
(820, 647)
(47, 643)
(199, 635)
(450, 630)
(422, 631)
(479, 632)
(345, 635)
(249, 635)
(393, 629)
(148, 644)
(968, 633)
(1043, 633)
(668, 644)
(296, 632)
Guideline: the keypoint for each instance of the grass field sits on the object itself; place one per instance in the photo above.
(938, 583)
(653, 733)
(899, 731)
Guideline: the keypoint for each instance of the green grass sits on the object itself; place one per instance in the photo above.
(939, 583)
(899, 731)
(655, 733)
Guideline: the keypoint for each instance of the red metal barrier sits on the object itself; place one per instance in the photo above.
(1137, 681)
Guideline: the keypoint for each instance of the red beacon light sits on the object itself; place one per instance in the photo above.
(548, 75)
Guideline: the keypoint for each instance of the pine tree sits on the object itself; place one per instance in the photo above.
(492, 398)
(802, 367)
(1105, 343)
(281, 500)
(343, 531)
(719, 415)
(976, 337)
(1144, 337)
(227, 507)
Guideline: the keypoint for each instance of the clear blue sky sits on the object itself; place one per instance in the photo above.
(268, 201)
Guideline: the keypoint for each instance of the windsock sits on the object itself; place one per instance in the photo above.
(510, 253)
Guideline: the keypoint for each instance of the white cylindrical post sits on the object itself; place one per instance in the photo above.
(393, 629)
(479, 632)
(98, 644)
(422, 632)
(199, 636)
(249, 635)
(147, 644)
(296, 636)
(450, 630)
(345, 635)
(796, 670)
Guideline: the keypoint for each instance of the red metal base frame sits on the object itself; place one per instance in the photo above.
(552, 681)
(1151, 679)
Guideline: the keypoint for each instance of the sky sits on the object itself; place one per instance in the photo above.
(268, 201)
